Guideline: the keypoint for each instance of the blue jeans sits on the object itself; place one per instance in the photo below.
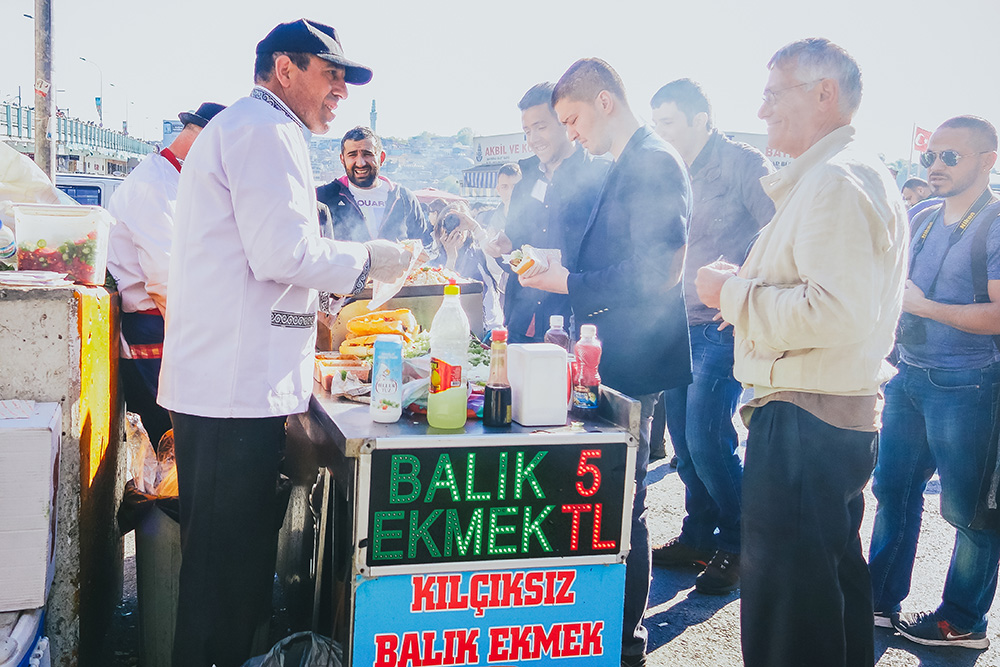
(935, 419)
(700, 421)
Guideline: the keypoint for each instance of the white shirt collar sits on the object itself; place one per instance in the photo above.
(265, 95)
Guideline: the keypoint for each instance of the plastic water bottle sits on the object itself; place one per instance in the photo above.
(556, 334)
(447, 402)
(8, 248)
(586, 376)
(387, 380)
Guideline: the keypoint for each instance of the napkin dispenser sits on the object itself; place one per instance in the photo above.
(538, 381)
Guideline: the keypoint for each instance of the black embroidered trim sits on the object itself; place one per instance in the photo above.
(292, 320)
(362, 280)
(265, 95)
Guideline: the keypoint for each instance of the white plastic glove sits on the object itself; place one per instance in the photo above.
(389, 260)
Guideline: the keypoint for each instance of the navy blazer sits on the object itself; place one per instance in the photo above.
(621, 281)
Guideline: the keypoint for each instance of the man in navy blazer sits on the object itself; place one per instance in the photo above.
(627, 278)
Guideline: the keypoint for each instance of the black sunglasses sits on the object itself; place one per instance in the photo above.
(949, 157)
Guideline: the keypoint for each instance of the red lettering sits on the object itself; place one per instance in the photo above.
(596, 540)
(466, 649)
(424, 594)
(591, 641)
(430, 658)
(574, 535)
(511, 589)
(584, 468)
(499, 645)
(456, 599)
(533, 588)
(409, 651)
(477, 599)
(565, 595)
(547, 641)
(521, 645)
(569, 645)
(495, 579)
(385, 650)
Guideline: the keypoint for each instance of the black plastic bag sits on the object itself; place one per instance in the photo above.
(303, 649)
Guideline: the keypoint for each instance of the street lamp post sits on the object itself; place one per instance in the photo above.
(127, 103)
(100, 106)
(45, 139)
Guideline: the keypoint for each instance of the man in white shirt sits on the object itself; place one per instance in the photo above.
(138, 258)
(365, 205)
(246, 264)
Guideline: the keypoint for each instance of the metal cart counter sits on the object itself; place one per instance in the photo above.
(476, 546)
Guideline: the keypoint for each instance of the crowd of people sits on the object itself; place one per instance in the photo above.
(705, 271)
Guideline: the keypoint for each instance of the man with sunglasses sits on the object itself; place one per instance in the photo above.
(813, 309)
(939, 408)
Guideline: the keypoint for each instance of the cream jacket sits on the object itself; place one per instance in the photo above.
(815, 306)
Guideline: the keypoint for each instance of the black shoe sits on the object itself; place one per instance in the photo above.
(677, 554)
(655, 454)
(930, 629)
(634, 660)
(721, 576)
(673, 462)
(884, 620)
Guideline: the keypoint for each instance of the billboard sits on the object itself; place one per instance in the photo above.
(500, 148)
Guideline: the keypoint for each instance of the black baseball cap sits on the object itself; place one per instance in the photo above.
(205, 113)
(304, 36)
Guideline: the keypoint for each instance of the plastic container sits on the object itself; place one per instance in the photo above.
(556, 334)
(586, 376)
(8, 248)
(387, 380)
(497, 397)
(537, 374)
(65, 239)
(447, 401)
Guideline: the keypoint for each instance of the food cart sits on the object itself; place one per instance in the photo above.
(476, 546)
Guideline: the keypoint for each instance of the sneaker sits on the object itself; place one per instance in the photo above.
(673, 462)
(721, 576)
(884, 620)
(929, 629)
(677, 554)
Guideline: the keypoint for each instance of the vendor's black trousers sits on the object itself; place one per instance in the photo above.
(805, 594)
(227, 473)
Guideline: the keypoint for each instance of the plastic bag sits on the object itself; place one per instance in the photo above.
(142, 456)
(303, 649)
(382, 292)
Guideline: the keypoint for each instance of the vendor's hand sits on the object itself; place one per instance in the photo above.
(389, 261)
(710, 280)
(555, 279)
(914, 299)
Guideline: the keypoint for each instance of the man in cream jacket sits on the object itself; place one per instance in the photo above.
(814, 309)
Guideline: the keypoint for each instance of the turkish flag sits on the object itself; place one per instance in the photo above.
(920, 139)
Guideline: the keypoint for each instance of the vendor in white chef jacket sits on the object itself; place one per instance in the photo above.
(246, 263)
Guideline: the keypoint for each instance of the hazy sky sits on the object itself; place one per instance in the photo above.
(441, 65)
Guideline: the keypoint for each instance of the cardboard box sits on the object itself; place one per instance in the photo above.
(29, 464)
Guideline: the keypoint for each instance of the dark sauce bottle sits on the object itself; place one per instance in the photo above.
(497, 403)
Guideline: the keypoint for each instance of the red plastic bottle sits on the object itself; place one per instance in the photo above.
(586, 376)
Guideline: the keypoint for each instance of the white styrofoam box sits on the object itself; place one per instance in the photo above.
(538, 383)
(26, 633)
(29, 464)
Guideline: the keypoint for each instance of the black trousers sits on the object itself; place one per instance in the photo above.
(805, 593)
(227, 473)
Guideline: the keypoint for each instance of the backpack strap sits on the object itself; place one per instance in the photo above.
(980, 277)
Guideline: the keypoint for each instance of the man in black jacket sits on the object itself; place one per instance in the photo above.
(626, 278)
(549, 209)
(365, 206)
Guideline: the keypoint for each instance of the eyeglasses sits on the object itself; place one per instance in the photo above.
(949, 157)
(771, 96)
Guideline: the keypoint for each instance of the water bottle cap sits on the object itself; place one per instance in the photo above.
(556, 321)
(451, 289)
(588, 331)
(499, 335)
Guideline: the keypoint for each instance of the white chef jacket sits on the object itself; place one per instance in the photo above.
(139, 243)
(246, 262)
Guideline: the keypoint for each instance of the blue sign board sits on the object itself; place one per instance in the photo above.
(501, 618)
